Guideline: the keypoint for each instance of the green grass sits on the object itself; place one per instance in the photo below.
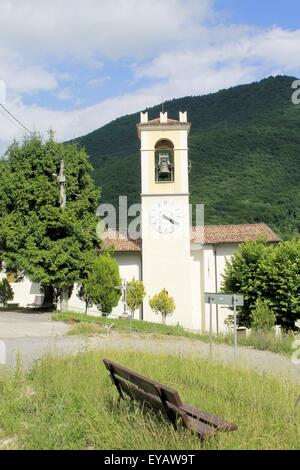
(70, 403)
(88, 325)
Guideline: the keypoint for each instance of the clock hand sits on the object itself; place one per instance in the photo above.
(170, 220)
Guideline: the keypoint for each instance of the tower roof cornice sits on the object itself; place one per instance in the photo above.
(163, 123)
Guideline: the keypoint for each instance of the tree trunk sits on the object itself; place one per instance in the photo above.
(64, 299)
(163, 319)
(48, 297)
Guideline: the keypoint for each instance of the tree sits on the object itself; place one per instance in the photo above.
(268, 272)
(49, 244)
(84, 297)
(162, 304)
(135, 295)
(281, 286)
(262, 317)
(101, 283)
(243, 275)
(6, 292)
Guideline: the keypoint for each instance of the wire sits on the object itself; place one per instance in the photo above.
(10, 120)
(15, 119)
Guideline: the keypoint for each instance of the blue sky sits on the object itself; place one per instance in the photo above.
(75, 65)
(262, 13)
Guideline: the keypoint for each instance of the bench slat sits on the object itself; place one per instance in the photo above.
(208, 418)
(203, 429)
(136, 393)
(169, 394)
(142, 382)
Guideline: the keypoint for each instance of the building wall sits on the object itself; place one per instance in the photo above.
(215, 257)
(130, 267)
(196, 288)
(26, 292)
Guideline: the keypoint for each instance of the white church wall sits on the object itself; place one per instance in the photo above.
(26, 293)
(196, 288)
(130, 267)
(215, 257)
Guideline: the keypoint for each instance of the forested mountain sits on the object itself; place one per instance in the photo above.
(245, 153)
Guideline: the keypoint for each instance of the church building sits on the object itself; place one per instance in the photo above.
(170, 253)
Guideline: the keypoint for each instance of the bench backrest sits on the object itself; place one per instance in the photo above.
(143, 389)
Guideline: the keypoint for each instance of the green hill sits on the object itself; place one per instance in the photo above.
(244, 148)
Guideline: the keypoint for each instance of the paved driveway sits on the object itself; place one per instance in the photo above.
(32, 335)
(20, 325)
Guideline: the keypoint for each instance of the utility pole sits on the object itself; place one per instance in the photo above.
(64, 291)
(62, 185)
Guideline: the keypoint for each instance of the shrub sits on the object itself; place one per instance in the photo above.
(262, 316)
(102, 282)
(163, 304)
(135, 295)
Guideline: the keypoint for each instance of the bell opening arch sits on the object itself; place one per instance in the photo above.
(164, 161)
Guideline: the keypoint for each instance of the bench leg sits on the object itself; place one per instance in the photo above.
(117, 385)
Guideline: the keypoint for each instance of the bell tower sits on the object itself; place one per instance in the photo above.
(165, 213)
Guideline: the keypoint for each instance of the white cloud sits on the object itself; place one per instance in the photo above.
(23, 77)
(98, 82)
(114, 29)
(175, 51)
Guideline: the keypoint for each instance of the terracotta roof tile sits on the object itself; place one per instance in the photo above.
(120, 241)
(213, 235)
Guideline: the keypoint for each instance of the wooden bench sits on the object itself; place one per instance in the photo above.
(165, 400)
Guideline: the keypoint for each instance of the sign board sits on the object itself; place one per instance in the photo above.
(224, 299)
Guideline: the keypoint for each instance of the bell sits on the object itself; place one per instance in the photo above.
(164, 169)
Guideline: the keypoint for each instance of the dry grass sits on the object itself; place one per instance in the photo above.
(69, 403)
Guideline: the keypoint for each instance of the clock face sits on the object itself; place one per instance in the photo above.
(165, 217)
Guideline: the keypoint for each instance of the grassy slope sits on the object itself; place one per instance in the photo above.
(70, 404)
(244, 146)
(87, 325)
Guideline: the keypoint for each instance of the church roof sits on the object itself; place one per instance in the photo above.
(120, 241)
(213, 235)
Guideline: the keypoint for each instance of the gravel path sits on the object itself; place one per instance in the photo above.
(33, 335)
(260, 361)
(31, 349)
